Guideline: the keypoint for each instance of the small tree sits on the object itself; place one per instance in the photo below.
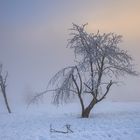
(98, 61)
(3, 79)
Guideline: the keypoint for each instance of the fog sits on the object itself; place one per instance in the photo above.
(33, 40)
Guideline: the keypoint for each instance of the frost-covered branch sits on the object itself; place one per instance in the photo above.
(98, 60)
(3, 79)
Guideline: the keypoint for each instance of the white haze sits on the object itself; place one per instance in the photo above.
(33, 39)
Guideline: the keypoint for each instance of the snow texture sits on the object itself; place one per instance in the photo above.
(108, 121)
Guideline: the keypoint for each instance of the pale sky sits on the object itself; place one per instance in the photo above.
(34, 33)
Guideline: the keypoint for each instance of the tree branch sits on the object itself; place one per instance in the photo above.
(79, 93)
(107, 90)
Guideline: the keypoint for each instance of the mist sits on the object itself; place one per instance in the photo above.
(34, 34)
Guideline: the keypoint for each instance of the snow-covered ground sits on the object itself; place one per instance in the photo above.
(108, 121)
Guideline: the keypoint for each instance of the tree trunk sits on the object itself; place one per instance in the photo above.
(87, 110)
(85, 113)
(6, 101)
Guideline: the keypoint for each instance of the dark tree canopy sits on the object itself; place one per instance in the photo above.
(99, 60)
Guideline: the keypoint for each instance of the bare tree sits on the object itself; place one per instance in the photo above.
(99, 61)
(3, 85)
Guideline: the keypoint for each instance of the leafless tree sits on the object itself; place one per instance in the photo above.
(3, 86)
(99, 61)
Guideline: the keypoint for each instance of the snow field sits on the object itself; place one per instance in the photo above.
(109, 121)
